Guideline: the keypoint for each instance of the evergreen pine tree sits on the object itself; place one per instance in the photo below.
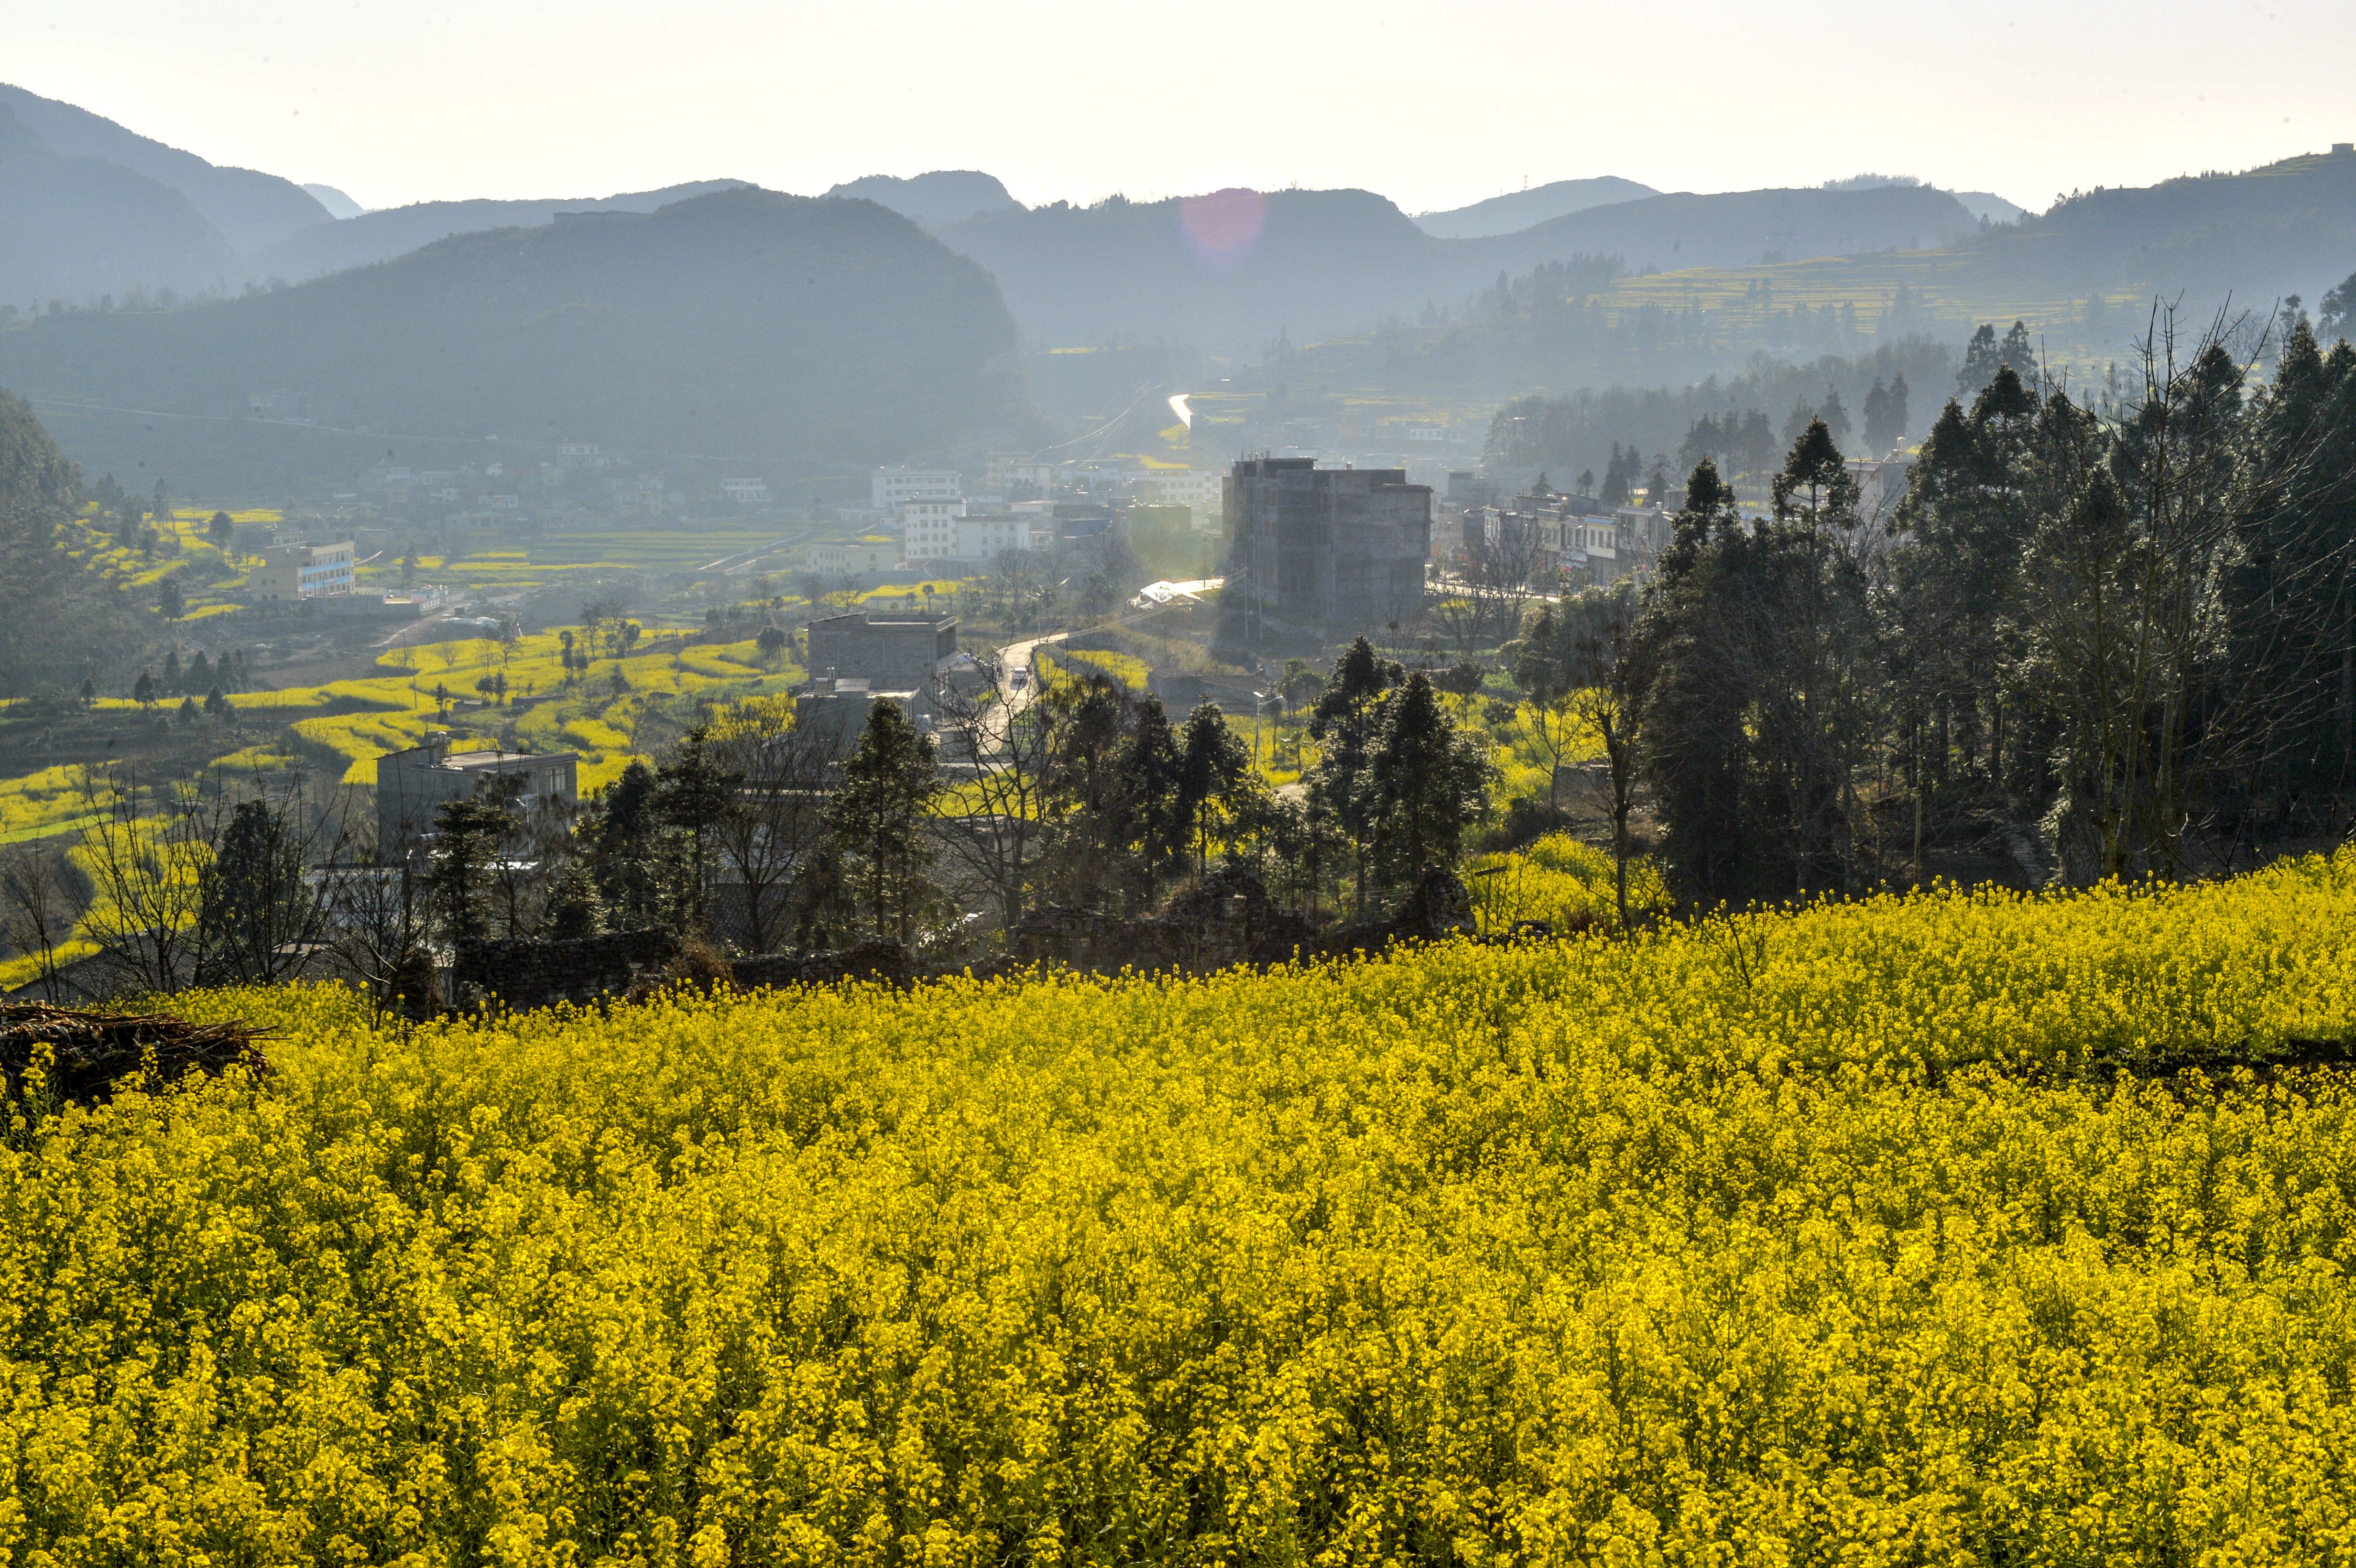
(574, 909)
(2018, 354)
(621, 832)
(467, 833)
(1424, 780)
(693, 793)
(1213, 771)
(1795, 424)
(1981, 360)
(1877, 419)
(1343, 724)
(250, 894)
(878, 818)
(1816, 466)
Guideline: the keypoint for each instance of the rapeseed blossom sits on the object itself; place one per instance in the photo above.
(1793, 1238)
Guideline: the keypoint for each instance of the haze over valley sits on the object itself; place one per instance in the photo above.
(169, 286)
(1238, 785)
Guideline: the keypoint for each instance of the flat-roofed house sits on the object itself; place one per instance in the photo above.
(412, 784)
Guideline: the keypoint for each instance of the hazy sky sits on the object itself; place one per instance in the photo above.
(1433, 105)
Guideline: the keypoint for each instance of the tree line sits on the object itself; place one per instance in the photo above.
(1750, 416)
(769, 833)
(2097, 644)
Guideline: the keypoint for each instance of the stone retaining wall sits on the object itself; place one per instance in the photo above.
(523, 974)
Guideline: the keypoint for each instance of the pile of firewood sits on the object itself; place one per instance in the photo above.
(89, 1052)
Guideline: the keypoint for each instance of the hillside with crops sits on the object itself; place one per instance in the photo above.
(1956, 1228)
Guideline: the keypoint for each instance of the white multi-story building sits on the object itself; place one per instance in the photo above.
(893, 488)
(846, 558)
(986, 538)
(1196, 489)
(640, 497)
(746, 492)
(928, 527)
(302, 572)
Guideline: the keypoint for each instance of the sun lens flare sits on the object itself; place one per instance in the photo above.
(1223, 229)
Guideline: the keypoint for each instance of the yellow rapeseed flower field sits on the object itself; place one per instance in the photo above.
(1810, 1238)
(1562, 881)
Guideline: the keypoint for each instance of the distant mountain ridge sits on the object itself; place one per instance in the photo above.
(1299, 261)
(802, 335)
(101, 228)
(337, 204)
(379, 236)
(1743, 227)
(1986, 204)
(941, 196)
(249, 207)
(1520, 210)
(1319, 262)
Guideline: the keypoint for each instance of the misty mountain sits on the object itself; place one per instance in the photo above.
(81, 227)
(1226, 272)
(2287, 228)
(249, 208)
(1520, 210)
(2085, 277)
(1745, 227)
(337, 204)
(379, 236)
(1988, 205)
(1229, 271)
(943, 196)
(799, 334)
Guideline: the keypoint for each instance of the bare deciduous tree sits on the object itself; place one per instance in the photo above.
(145, 848)
(991, 823)
(777, 827)
(38, 909)
(204, 883)
(1606, 701)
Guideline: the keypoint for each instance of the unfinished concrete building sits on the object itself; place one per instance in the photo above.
(898, 654)
(1344, 546)
(412, 784)
(836, 709)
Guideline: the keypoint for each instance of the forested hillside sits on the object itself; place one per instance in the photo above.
(58, 623)
(741, 323)
(2083, 277)
(1232, 270)
(324, 247)
(1574, 431)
